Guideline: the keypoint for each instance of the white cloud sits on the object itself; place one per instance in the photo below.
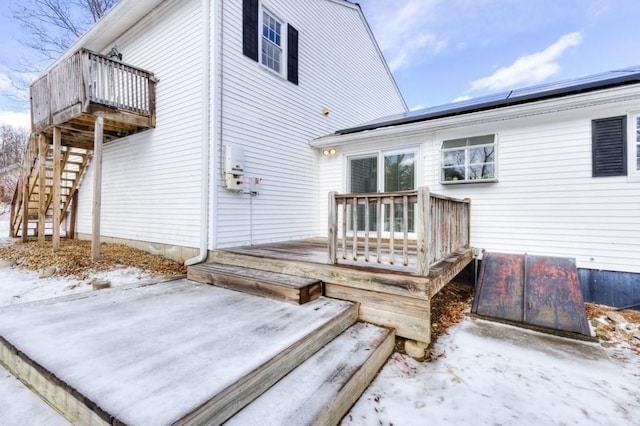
(399, 27)
(16, 119)
(418, 107)
(462, 98)
(529, 69)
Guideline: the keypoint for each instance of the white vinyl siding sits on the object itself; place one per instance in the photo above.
(546, 201)
(151, 180)
(274, 120)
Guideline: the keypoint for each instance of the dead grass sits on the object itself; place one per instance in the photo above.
(74, 258)
(594, 311)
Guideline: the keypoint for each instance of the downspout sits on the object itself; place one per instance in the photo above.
(204, 156)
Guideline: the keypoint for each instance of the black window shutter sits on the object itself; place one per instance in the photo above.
(250, 29)
(609, 146)
(292, 54)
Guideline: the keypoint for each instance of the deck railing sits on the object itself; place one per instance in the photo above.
(21, 194)
(365, 228)
(85, 78)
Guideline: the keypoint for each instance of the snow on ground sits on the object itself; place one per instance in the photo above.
(494, 374)
(21, 407)
(486, 374)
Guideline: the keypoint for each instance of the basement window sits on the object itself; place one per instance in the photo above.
(468, 160)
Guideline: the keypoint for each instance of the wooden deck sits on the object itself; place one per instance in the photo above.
(389, 295)
(210, 352)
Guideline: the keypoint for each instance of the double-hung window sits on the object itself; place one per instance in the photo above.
(470, 159)
(271, 55)
(269, 40)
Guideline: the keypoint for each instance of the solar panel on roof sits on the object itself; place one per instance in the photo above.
(527, 94)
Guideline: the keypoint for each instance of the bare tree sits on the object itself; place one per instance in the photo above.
(13, 141)
(50, 26)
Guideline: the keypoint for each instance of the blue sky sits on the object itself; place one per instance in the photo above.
(444, 50)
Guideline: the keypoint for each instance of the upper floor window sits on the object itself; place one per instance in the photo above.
(469, 159)
(271, 42)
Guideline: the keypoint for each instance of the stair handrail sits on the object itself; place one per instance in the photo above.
(28, 162)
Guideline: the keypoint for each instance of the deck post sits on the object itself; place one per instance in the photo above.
(333, 229)
(42, 187)
(423, 231)
(97, 187)
(468, 219)
(73, 220)
(55, 192)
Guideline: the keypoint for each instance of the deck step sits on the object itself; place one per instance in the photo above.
(323, 389)
(191, 354)
(283, 287)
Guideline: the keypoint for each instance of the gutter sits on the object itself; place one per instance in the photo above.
(504, 113)
(204, 155)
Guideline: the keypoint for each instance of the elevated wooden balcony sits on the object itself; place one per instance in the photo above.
(73, 92)
(79, 104)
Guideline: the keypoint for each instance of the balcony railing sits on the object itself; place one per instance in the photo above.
(366, 228)
(87, 82)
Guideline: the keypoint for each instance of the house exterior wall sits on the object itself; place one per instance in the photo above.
(546, 200)
(273, 120)
(151, 180)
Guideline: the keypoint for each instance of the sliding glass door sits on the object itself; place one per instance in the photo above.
(398, 174)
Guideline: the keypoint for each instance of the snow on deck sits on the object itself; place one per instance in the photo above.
(151, 354)
(305, 392)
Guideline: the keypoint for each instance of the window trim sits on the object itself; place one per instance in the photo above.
(633, 146)
(283, 41)
(466, 181)
(380, 155)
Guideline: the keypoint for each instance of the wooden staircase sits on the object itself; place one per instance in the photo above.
(33, 198)
(219, 355)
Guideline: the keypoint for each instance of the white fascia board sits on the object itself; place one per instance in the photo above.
(124, 15)
(574, 102)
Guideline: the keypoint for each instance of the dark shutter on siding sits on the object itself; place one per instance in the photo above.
(292, 54)
(609, 146)
(250, 29)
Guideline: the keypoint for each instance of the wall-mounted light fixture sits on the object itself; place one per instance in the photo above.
(329, 151)
(114, 54)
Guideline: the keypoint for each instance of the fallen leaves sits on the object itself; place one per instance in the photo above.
(74, 258)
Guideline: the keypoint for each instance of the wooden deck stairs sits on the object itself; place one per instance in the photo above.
(277, 286)
(328, 361)
(39, 175)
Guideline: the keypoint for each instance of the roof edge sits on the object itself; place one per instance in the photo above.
(625, 80)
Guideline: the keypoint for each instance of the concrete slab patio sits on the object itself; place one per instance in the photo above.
(153, 354)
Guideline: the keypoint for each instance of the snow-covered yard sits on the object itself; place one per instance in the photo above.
(484, 373)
